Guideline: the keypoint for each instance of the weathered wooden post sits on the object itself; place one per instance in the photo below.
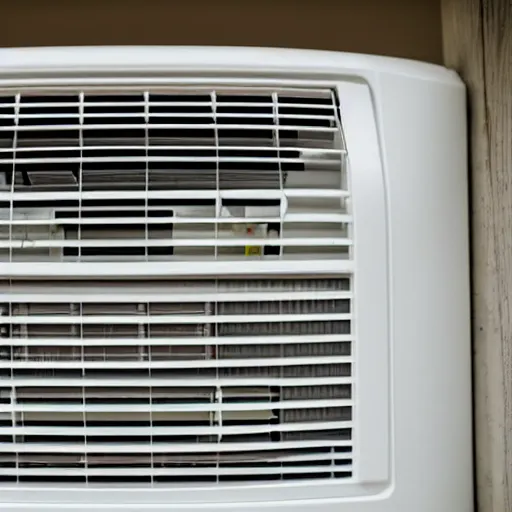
(478, 44)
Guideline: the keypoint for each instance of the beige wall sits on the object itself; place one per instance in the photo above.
(402, 28)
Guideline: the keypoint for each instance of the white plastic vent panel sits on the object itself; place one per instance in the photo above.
(176, 380)
(172, 175)
(214, 268)
(207, 380)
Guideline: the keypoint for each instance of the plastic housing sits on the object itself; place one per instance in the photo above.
(405, 129)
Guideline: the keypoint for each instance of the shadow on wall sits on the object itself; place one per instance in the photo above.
(400, 28)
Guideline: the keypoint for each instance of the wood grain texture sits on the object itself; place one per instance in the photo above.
(478, 44)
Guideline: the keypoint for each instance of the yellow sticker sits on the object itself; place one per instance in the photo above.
(252, 250)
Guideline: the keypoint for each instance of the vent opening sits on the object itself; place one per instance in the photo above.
(174, 380)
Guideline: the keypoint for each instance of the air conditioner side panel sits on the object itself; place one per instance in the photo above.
(422, 126)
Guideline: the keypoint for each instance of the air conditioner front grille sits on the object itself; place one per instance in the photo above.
(86, 382)
(175, 380)
(172, 176)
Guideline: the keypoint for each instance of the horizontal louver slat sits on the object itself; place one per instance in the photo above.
(117, 379)
(169, 447)
(157, 431)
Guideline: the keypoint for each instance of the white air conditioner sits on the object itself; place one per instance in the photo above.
(232, 279)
